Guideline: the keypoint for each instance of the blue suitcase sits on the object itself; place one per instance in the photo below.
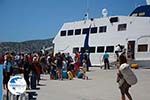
(64, 74)
(80, 75)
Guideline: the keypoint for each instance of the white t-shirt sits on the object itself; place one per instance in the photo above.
(117, 48)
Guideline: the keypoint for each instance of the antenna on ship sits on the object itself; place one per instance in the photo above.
(105, 12)
(86, 16)
(148, 2)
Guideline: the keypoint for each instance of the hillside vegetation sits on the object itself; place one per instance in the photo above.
(26, 46)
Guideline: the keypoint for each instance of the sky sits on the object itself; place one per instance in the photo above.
(22, 20)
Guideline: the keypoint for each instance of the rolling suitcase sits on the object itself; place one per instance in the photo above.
(135, 66)
(64, 74)
(80, 75)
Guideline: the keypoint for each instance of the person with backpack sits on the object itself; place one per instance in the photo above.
(125, 77)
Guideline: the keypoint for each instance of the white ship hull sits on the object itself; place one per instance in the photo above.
(109, 31)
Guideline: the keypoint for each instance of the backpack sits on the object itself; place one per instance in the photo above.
(128, 74)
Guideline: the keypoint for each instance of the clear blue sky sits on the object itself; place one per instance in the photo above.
(22, 20)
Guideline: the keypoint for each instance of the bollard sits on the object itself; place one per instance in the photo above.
(24, 96)
(21, 96)
(14, 97)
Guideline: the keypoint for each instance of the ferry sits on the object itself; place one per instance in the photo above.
(132, 32)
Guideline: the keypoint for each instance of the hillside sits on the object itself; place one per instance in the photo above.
(26, 46)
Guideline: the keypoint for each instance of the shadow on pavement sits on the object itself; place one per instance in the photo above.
(35, 88)
(41, 84)
(32, 95)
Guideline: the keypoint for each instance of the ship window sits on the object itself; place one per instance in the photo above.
(70, 32)
(76, 49)
(100, 49)
(110, 48)
(135, 14)
(102, 29)
(94, 30)
(113, 19)
(77, 31)
(63, 33)
(82, 49)
(92, 50)
(142, 48)
(122, 27)
(85, 31)
(142, 14)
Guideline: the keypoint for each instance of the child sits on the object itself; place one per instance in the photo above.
(83, 69)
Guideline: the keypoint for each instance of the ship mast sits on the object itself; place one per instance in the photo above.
(87, 10)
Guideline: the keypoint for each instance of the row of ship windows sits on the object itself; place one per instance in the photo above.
(100, 49)
(102, 29)
(139, 14)
(109, 49)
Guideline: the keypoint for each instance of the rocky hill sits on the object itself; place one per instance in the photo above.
(26, 46)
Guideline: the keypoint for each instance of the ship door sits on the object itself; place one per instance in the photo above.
(131, 49)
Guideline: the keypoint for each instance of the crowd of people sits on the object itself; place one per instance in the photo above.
(59, 66)
(31, 66)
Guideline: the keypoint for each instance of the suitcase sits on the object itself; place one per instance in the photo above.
(51, 77)
(135, 66)
(70, 75)
(80, 75)
(64, 74)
